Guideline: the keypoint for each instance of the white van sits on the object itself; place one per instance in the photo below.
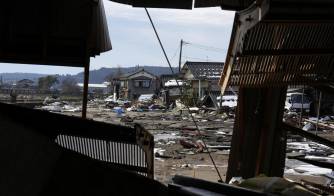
(295, 102)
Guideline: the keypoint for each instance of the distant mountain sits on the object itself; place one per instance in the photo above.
(13, 77)
(95, 76)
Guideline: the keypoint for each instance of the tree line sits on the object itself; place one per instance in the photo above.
(68, 84)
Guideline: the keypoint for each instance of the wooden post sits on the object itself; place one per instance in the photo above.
(180, 58)
(301, 111)
(199, 90)
(258, 142)
(85, 90)
(318, 113)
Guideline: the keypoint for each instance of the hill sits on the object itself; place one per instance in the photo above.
(95, 76)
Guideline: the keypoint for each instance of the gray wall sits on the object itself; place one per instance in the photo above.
(140, 90)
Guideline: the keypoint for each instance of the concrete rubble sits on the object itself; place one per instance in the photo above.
(56, 105)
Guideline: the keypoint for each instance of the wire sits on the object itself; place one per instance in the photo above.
(175, 53)
(178, 85)
(189, 57)
(208, 48)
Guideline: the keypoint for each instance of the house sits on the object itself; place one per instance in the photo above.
(134, 84)
(170, 91)
(203, 77)
(25, 83)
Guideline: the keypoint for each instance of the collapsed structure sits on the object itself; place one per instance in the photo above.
(274, 43)
(272, 46)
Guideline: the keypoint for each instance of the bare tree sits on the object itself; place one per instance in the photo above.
(69, 86)
(47, 82)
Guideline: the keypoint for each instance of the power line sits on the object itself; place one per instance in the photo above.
(207, 48)
(196, 58)
(175, 53)
(178, 85)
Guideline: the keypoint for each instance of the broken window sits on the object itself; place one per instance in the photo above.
(142, 83)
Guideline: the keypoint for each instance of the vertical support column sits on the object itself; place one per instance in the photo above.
(85, 90)
(199, 90)
(258, 142)
(180, 58)
(318, 113)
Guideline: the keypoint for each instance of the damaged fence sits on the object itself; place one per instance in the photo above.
(123, 147)
(124, 152)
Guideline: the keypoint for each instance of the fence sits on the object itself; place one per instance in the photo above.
(124, 147)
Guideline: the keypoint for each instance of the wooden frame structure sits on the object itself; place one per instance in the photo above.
(63, 33)
(274, 43)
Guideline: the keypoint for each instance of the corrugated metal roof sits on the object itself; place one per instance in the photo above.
(187, 4)
(275, 46)
(53, 32)
(179, 4)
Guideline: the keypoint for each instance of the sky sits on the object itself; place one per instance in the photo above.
(134, 43)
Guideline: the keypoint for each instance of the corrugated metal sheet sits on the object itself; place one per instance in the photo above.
(269, 48)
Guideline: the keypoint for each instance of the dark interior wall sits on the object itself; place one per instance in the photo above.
(53, 32)
(32, 164)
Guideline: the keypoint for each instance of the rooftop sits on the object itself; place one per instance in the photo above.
(204, 70)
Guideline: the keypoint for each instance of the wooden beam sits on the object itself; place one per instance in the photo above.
(310, 136)
(258, 142)
(288, 52)
(321, 164)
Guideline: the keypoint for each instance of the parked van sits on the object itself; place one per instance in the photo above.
(296, 102)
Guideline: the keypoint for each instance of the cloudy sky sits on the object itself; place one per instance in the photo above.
(134, 43)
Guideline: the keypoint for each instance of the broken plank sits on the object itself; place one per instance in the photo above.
(311, 136)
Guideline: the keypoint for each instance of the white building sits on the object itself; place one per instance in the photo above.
(103, 88)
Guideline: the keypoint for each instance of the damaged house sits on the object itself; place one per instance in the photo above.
(25, 83)
(203, 77)
(170, 90)
(134, 84)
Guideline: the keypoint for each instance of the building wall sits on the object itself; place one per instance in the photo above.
(132, 92)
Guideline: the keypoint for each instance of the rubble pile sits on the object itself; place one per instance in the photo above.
(181, 148)
(56, 105)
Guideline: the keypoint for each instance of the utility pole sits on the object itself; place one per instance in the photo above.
(180, 58)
